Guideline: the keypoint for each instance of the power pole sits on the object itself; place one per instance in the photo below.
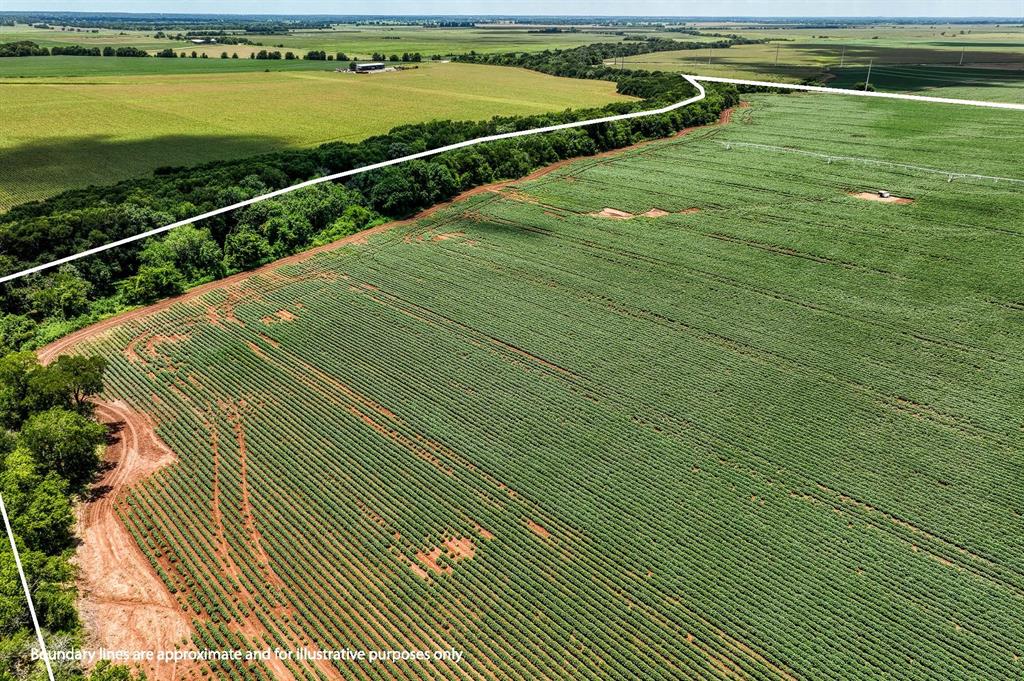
(962, 51)
(867, 81)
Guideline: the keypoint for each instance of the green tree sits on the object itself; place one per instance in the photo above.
(64, 441)
(63, 295)
(246, 248)
(14, 387)
(46, 522)
(82, 378)
(15, 332)
(152, 283)
(190, 250)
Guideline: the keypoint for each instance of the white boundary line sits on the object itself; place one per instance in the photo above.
(24, 585)
(357, 171)
(693, 80)
(864, 93)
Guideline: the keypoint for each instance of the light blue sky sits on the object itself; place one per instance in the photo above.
(905, 8)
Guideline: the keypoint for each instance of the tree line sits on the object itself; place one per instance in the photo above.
(27, 48)
(40, 308)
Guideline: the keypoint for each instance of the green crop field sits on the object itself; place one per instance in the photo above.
(84, 67)
(365, 40)
(351, 39)
(62, 133)
(769, 430)
(986, 63)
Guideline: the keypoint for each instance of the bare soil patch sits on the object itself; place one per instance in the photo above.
(538, 530)
(123, 603)
(655, 213)
(448, 235)
(616, 214)
(461, 547)
(873, 196)
(429, 559)
(613, 213)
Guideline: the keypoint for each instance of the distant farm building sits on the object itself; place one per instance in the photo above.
(370, 66)
(203, 41)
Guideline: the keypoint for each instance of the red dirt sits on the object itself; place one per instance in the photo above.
(460, 548)
(430, 560)
(123, 603)
(538, 530)
(484, 532)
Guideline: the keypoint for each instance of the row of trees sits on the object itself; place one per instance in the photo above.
(27, 48)
(37, 309)
(406, 57)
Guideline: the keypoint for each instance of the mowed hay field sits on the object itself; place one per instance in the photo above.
(65, 133)
(768, 430)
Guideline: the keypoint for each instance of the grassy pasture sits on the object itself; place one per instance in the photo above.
(102, 37)
(772, 433)
(62, 133)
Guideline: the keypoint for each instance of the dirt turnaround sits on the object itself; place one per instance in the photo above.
(122, 602)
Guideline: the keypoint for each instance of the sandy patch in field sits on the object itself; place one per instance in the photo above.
(613, 213)
(873, 196)
(616, 214)
(538, 530)
(448, 235)
(123, 603)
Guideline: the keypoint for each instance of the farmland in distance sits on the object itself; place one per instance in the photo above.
(974, 62)
(62, 133)
(694, 409)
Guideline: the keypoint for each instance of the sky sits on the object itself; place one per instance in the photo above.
(845, 8)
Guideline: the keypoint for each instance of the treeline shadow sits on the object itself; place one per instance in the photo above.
(50, 165)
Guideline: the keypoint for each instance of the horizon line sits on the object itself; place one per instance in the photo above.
(704, 17)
